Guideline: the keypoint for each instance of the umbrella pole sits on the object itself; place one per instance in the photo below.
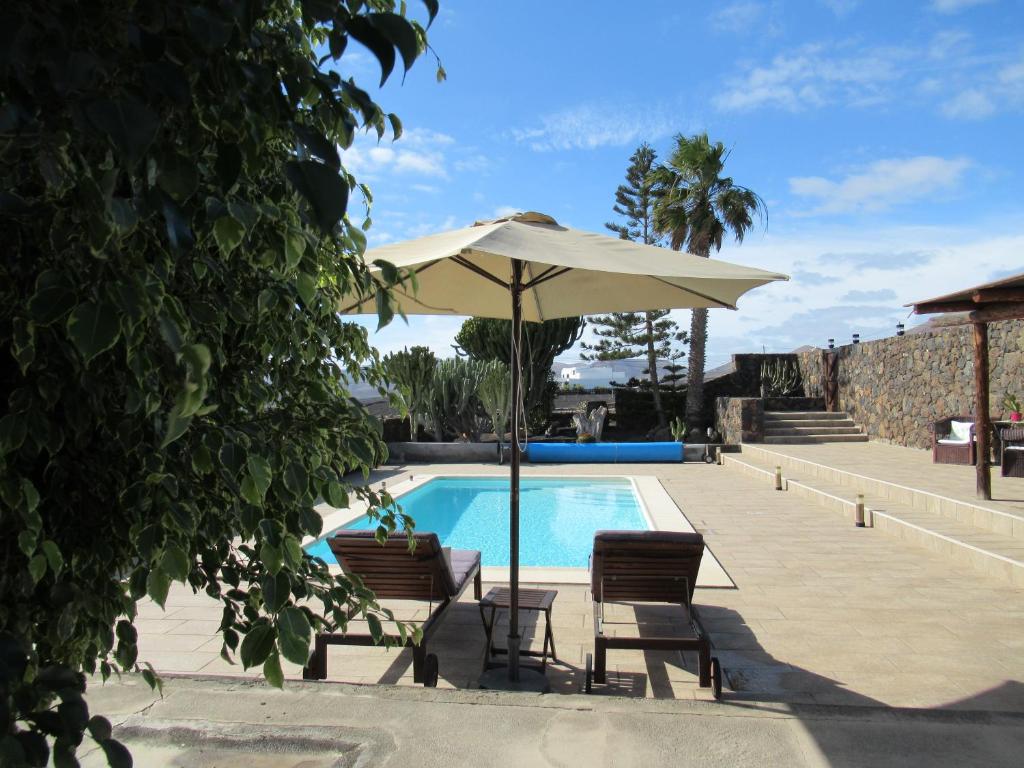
(513, 492)
(515, 678)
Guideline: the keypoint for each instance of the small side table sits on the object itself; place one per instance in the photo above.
(529, 600)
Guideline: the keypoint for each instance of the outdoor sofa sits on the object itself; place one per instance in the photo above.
(391, 570)
(953, 441)
(649, 567)
(1012, 459)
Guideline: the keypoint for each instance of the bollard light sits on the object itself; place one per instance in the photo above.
(858, 514)
(831, 343)
(899, 329)
(778, 477)
(856, 338)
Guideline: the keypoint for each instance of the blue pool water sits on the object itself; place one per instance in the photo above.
(558, 517)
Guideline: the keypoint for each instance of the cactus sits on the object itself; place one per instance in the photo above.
(411, 371)
(779, 378)
(495, 395)
(454, 404)
(678, 427)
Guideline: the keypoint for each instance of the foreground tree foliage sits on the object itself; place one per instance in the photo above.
(174, 214)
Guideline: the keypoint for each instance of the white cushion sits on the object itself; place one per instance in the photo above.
(960, 431)
(1014, 448)
(951, 441)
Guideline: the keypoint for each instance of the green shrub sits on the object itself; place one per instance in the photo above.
(175, 219)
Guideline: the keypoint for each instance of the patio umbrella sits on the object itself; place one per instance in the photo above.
(528, 267)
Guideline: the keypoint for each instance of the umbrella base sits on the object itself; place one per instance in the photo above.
(530, 680)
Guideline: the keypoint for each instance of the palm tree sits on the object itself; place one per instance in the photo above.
(695, 207)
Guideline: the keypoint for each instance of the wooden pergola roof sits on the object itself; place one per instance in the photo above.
(999, 300)
(989, 302)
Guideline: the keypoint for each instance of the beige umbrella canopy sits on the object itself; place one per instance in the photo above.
(528, 267)
(566, 273)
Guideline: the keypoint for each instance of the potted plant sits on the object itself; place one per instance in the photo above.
(1013, 405)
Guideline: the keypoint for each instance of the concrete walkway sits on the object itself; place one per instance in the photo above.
(202, 722)
(912, 468)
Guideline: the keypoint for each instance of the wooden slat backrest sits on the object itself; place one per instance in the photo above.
(391, 570)
(645, 566)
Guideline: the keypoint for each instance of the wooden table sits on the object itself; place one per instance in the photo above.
(538, 600)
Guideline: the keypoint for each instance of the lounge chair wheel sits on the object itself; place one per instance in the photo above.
(430, 671)
(709, 459)
(588, 686)
(716, 678)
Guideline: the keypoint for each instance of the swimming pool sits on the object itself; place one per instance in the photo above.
(557, 517)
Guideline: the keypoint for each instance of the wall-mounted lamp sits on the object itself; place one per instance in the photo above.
(899, 329)
(856, 338)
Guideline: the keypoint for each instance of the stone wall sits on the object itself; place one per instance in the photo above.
(896, 388)
(740, 419)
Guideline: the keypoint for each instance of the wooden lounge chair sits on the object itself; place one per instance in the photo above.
(649, 567)
(950, 447)
(391, 570)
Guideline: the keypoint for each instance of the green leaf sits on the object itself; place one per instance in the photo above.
(228, 234)
(318, 145)
(272, 671)
(266, 301)
(13, 430)
(228, 165)
(336, 495)
(175, 563)
(260, 472)
(93, 328)
(292, 551)
(117, 754)
(99, 727)
(385, 311)
(53, 556)
(294, 635)
(276, 591)
(383, 50)
(396, 127)
(257, 644)
(157, 585)
(323, 189)
(272, 558)
(37, 568)
(129, 124)
(400, 33)
(177, 424)
(376, 631)
(294, 247)
(296, 479)
(50, 303)
(30, 494)
(305, 284)
(250, 492)
(27, 542)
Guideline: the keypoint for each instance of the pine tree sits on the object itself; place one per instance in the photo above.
(651, 334)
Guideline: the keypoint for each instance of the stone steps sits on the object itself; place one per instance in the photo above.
(790, 427)
(994, 554)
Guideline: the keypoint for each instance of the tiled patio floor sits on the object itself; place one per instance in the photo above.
(823, 613)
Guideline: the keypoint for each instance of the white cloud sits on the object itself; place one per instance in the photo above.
(417, 153)
(740, 17)
(955, 6)
(882, 184)
(944, 72)
(971, 104)
(841, 7)
(812, 76)
(590, 126)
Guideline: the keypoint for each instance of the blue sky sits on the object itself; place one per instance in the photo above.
(885, 138)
